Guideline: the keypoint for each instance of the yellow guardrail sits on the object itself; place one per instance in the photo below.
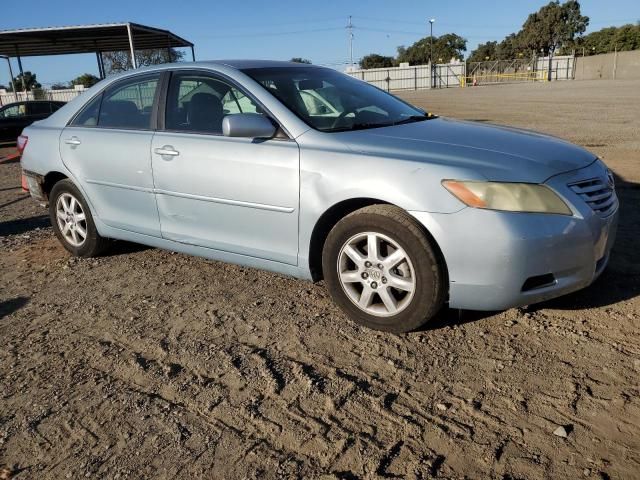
(478, 79)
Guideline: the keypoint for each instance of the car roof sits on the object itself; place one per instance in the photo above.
(242, 64)
(235, 64)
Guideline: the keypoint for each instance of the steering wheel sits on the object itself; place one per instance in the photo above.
(340, 118)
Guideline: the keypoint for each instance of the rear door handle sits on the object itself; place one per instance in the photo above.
(73, 141)
(167, 150)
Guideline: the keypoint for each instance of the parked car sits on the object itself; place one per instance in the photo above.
(16, 116)
(399, 211)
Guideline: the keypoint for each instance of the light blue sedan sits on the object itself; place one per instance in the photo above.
(308, 172)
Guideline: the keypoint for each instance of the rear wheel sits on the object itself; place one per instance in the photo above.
(381, 269)
(72, 221)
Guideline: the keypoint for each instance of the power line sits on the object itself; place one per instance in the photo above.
(270, 34)
(245, 26)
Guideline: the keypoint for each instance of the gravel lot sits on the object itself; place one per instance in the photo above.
(149, 364)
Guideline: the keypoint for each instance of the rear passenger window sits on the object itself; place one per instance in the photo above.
(127, 105)
(88, 117)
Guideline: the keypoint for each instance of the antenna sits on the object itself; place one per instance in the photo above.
(350, 28)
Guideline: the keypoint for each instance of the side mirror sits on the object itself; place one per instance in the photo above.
(247, 125)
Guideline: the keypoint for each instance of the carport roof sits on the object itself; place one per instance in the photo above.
(109, 37)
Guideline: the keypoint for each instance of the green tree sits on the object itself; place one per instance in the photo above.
(373, 60)
(485, 51)
(300, 60)
(59, 86)
(115, 62)
(447, 47)
(510, 47)
(553, 26)
(86, 79)
(626, 37)
(30, 82)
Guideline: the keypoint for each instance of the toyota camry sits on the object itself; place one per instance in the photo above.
(308, 172)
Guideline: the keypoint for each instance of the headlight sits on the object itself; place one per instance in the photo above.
(510, 197)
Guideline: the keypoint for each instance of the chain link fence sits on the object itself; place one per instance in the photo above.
(64, 95)
(413, 77)
(461, 74)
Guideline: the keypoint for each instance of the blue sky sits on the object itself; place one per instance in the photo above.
(284, 29)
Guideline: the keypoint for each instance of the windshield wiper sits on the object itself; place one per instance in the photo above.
(366, 125)
(361, 126)
(415, 118)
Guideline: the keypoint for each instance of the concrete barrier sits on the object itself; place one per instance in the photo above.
(610, 66)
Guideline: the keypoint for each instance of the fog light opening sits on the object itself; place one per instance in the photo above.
(539, 281)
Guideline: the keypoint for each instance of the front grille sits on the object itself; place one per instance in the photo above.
(598, 193)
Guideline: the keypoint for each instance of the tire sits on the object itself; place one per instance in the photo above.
(393, 295)
(69, 220)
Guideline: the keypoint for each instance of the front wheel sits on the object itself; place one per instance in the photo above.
(72, 221)
(381, 269)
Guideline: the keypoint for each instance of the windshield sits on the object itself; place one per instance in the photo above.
(330, 101)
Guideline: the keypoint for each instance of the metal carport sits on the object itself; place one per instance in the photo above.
(111, 37)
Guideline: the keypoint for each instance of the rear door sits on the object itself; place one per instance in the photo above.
(107, 147)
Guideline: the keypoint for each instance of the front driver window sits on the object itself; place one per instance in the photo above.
(198, 103)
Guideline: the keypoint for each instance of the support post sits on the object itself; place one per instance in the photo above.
(193, 54)
(24, 85)
(100, 66)
(134, 63)
(13, 85)
(615, 62)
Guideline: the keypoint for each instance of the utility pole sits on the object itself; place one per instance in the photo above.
(350, 28)
(433, 79)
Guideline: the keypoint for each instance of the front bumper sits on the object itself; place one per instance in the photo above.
(490, 255)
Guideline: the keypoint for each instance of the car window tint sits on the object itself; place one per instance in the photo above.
(56, 106)
(128, 105)
(329, 101)
(198, 103)
(39, 108)
(14, 111)
(237, 102)
(88, 117)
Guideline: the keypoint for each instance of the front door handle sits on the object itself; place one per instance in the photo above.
(73, 141)
(167, 150)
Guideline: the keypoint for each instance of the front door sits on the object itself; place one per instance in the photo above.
(237, 195)
(107, 147)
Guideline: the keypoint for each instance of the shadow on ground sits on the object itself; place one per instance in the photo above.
(24, 225)
(7, 307)
(120, 247)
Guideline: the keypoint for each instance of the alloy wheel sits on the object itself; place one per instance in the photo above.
(71, 219)
(376, 273)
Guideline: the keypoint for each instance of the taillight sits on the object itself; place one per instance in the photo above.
(25, 184)
(22, 143)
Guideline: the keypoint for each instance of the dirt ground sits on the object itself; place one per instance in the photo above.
(149, 364)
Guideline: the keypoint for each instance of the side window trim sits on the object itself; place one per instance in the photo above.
(153, 123)
(162, 109)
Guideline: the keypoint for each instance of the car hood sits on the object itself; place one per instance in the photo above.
(495, 152)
